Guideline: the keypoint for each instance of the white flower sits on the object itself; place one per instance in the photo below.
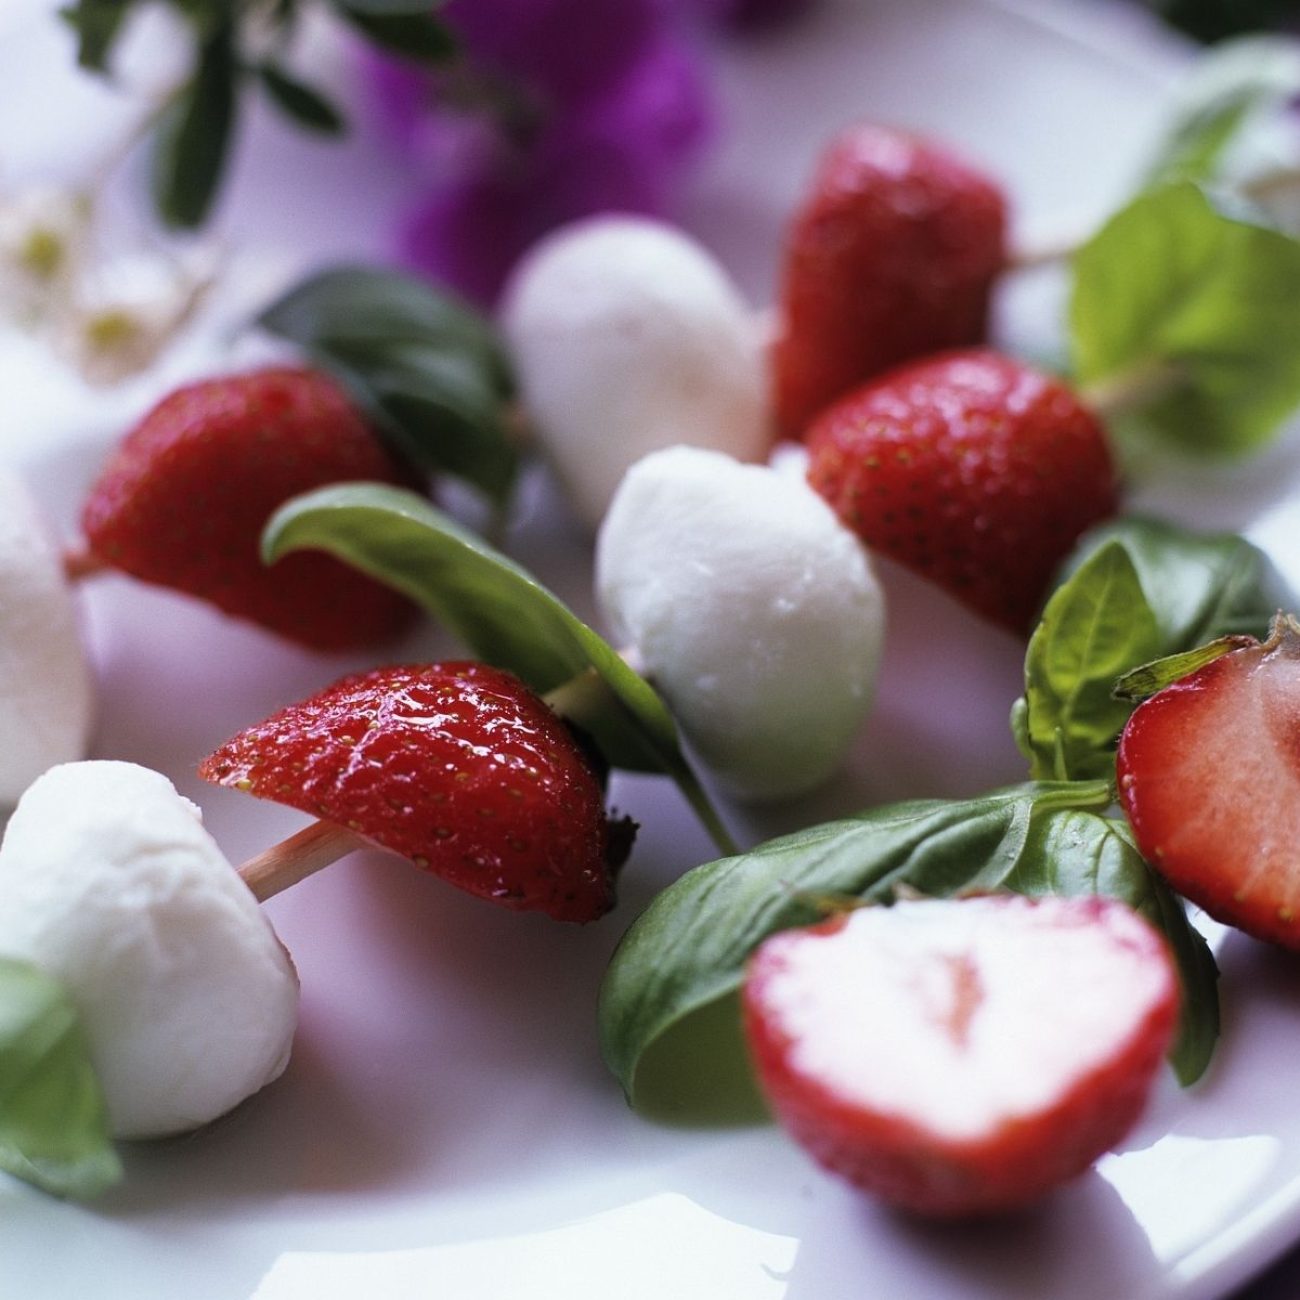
(126, 314)
(43, 233)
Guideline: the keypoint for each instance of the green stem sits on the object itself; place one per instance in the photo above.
(1130, 390)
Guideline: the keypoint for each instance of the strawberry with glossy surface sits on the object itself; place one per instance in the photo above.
(183, 501)
(456, 766)
(892, 255)
(1209, 777)
(973, 470)
(962, 1057)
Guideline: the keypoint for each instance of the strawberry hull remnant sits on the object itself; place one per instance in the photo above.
(973, 470)
(892, 256)
(456, 766)
(183, 501)
(1209, 777)
(962, 1057)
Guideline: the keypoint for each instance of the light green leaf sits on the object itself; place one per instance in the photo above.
(53, 1125)
(500, 610)
(1096, 627)
(1199, 586)
(1175, 286)
(428, 368)
(668, 1017)
(1234, 85)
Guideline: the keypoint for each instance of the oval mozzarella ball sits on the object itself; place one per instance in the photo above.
(46, 692)
(627, 337)
(751, 607)
(110, 884)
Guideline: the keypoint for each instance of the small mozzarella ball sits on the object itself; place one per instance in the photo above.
(46, 693)
(110, 884)
(629, 337)
(751, 607)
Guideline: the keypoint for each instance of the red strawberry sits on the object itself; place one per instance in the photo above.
(183, 501)
(892, 256)
(973, 470)
(456, 766)
(1209, 776)
(962, 1057)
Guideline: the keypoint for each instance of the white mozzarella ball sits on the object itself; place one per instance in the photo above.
(110, 884)
(627, 337)
(46, 692)
(751, 607)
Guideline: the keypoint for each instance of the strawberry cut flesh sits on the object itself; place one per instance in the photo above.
(455, 766)
(962, 1057)
(1209, 777)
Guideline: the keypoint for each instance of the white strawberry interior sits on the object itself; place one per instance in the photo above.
(961, 1015)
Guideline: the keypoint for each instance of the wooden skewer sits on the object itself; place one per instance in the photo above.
(298, 857)
(79, 563)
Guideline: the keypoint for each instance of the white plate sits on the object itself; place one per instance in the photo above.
(446, 1087)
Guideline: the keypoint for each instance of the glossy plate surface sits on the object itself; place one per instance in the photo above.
(446, 1089)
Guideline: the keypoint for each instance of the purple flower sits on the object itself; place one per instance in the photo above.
(621, 151)
(565, 51)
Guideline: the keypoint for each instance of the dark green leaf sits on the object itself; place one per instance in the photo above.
(1199, 586)
(505, 616)
(1233, 85)
(681, 964)
(1096, 626)
(53, 1126)
(1174, 286)
(430, 370)
(97, 24)
(406, 27)
(1198, 973)
(305, 105)
(1216, 20)
(194, 138)
(1145, 681)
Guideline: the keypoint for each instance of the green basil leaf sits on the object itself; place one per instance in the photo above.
(429, 369)
(303, 103)
(1233, 86)
(1175, 286)
(194, 138)
(668, 1017)
(406, 27)
(1200, 586)
(97, 24)
(1096, 627)
(53, 1125)
(1198, 973)
(500, 610)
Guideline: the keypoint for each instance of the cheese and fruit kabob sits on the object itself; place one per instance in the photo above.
(724, 578)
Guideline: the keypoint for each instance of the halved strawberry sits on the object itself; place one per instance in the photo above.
(1209, 776)
(962, 1057)
(972, 469)
(892, 255)
(183, 500)
(456, 766)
